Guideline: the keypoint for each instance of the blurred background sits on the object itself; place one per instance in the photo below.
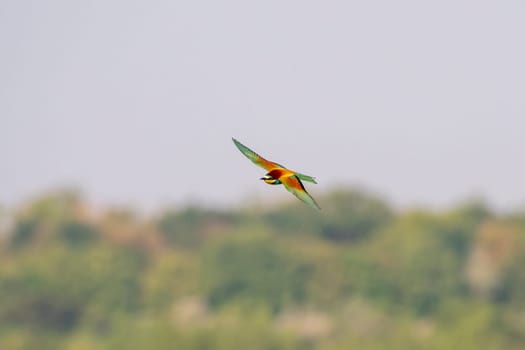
(128, 219)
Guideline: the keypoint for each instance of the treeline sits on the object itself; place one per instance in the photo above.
(358, 274)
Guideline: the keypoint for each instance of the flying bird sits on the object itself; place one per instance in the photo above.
(278, 174)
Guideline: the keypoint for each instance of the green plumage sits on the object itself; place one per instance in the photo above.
(306, 178)
(278, 174)
(292, 184)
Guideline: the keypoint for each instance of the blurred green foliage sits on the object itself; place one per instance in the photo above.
(358, 274)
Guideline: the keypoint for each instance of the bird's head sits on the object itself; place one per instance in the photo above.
(269, 179)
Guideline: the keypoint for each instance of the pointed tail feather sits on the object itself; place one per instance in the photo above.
(306, 178)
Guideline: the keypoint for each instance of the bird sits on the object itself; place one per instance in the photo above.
(278, 174)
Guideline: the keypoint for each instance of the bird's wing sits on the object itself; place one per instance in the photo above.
(295, 186)
(254, 157)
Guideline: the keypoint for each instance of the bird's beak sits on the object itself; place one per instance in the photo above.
(262, 178)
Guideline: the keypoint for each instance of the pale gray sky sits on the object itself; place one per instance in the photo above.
(136, 101)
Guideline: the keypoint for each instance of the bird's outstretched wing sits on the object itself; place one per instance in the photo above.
(254, 157)
(295, 186)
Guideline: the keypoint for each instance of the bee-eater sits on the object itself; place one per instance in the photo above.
(278, 174)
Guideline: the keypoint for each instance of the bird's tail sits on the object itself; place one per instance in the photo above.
(306, 178)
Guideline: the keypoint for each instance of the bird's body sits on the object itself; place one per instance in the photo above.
(278, 174)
